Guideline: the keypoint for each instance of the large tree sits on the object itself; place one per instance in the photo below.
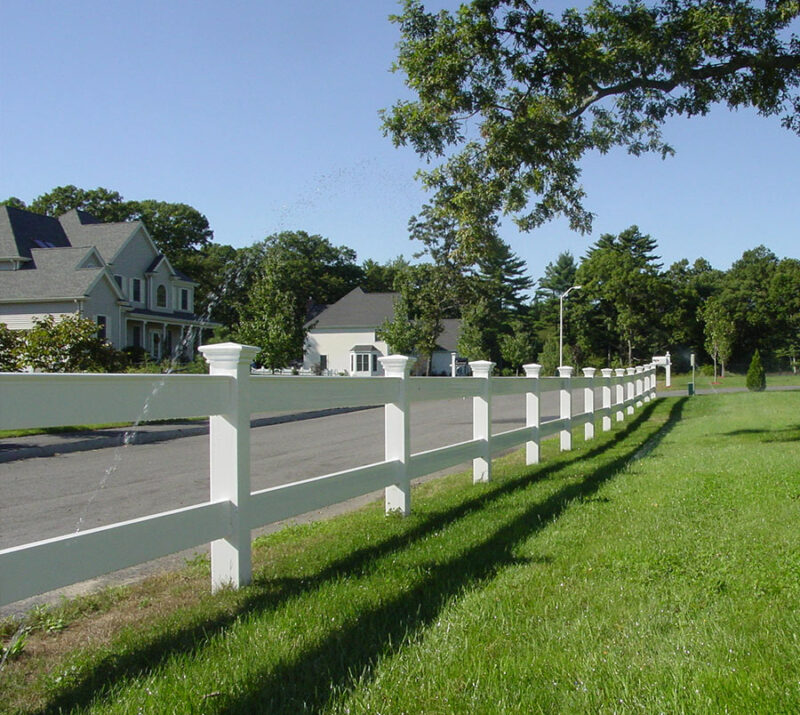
(511, 97)
(745, 295)
(720, 332)
(618, 311)
(269, 320)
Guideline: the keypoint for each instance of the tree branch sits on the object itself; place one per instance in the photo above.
(718, 71)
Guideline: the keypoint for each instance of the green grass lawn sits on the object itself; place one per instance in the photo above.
(655, 569)
(706, 382)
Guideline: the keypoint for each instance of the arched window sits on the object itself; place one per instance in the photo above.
(161, 297)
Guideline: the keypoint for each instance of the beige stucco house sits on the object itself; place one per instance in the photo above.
(341, 339)
(111, 273)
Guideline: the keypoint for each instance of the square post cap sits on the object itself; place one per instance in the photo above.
(481, 368)
(619, 371)
(589, 371)
(607, 371)
(630, 370)
(565, 370)
(229, 355)
(396, 365)
(532, 369)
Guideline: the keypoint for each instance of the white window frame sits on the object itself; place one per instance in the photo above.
(359, 360)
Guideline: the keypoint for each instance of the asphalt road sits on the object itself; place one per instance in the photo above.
(44, 497)
(74, 491)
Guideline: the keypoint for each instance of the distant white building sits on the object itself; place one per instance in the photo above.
(111, 273)
(342, 338)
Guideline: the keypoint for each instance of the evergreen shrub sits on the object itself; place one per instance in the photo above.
(756, 377)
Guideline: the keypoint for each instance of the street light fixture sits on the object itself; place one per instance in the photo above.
(561, 323)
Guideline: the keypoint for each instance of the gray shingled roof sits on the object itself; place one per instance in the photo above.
(56, 276)
(83, 229)
(448, 340)
(357, 310)
(20, 231)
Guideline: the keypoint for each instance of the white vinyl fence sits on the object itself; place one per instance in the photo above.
(229, 395)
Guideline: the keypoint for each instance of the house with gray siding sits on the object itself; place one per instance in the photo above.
(111, 273)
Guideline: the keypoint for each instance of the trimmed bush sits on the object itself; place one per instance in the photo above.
(756, 377)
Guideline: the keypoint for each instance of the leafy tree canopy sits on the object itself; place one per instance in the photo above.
(511, 97)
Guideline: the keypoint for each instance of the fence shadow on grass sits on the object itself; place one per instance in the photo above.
(306, 683)
(783, 434)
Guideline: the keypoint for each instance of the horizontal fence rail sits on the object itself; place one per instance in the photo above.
(229, 395)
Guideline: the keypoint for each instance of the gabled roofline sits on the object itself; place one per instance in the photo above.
(105, 271)
(135, 226)
(91, 251)
(161, 258)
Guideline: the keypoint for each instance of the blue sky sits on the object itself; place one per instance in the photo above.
(264, 116)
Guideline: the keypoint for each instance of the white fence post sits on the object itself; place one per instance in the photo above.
(607, 373)
(629, 392)
(565, 412)
(619, 372)
(639, 385)
(646, 383)
(482, 421)
(229, 437)
(533, 413)
(397, 496)
(588, 403)
(653, 381)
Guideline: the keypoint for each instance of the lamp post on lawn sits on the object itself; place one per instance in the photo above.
(561, 323)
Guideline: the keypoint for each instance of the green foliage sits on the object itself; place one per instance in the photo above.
(270, 320)
(15, 647)
(756, 377)
(514, 97)
(623, 296)
(70, 344)
(745, 295)
(559, 276)
(381, 277)
(548, 357)
(477, 331)
(720, 332)
(10, 343)
(401, 333)
(517, 347)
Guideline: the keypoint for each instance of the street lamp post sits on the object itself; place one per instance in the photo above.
(561, 323)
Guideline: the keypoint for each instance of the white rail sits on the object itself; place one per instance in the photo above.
(230, 395)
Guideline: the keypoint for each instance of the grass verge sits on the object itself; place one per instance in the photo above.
(654, 569)
(706, 382)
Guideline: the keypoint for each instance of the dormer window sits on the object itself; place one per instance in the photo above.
(161, 297)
